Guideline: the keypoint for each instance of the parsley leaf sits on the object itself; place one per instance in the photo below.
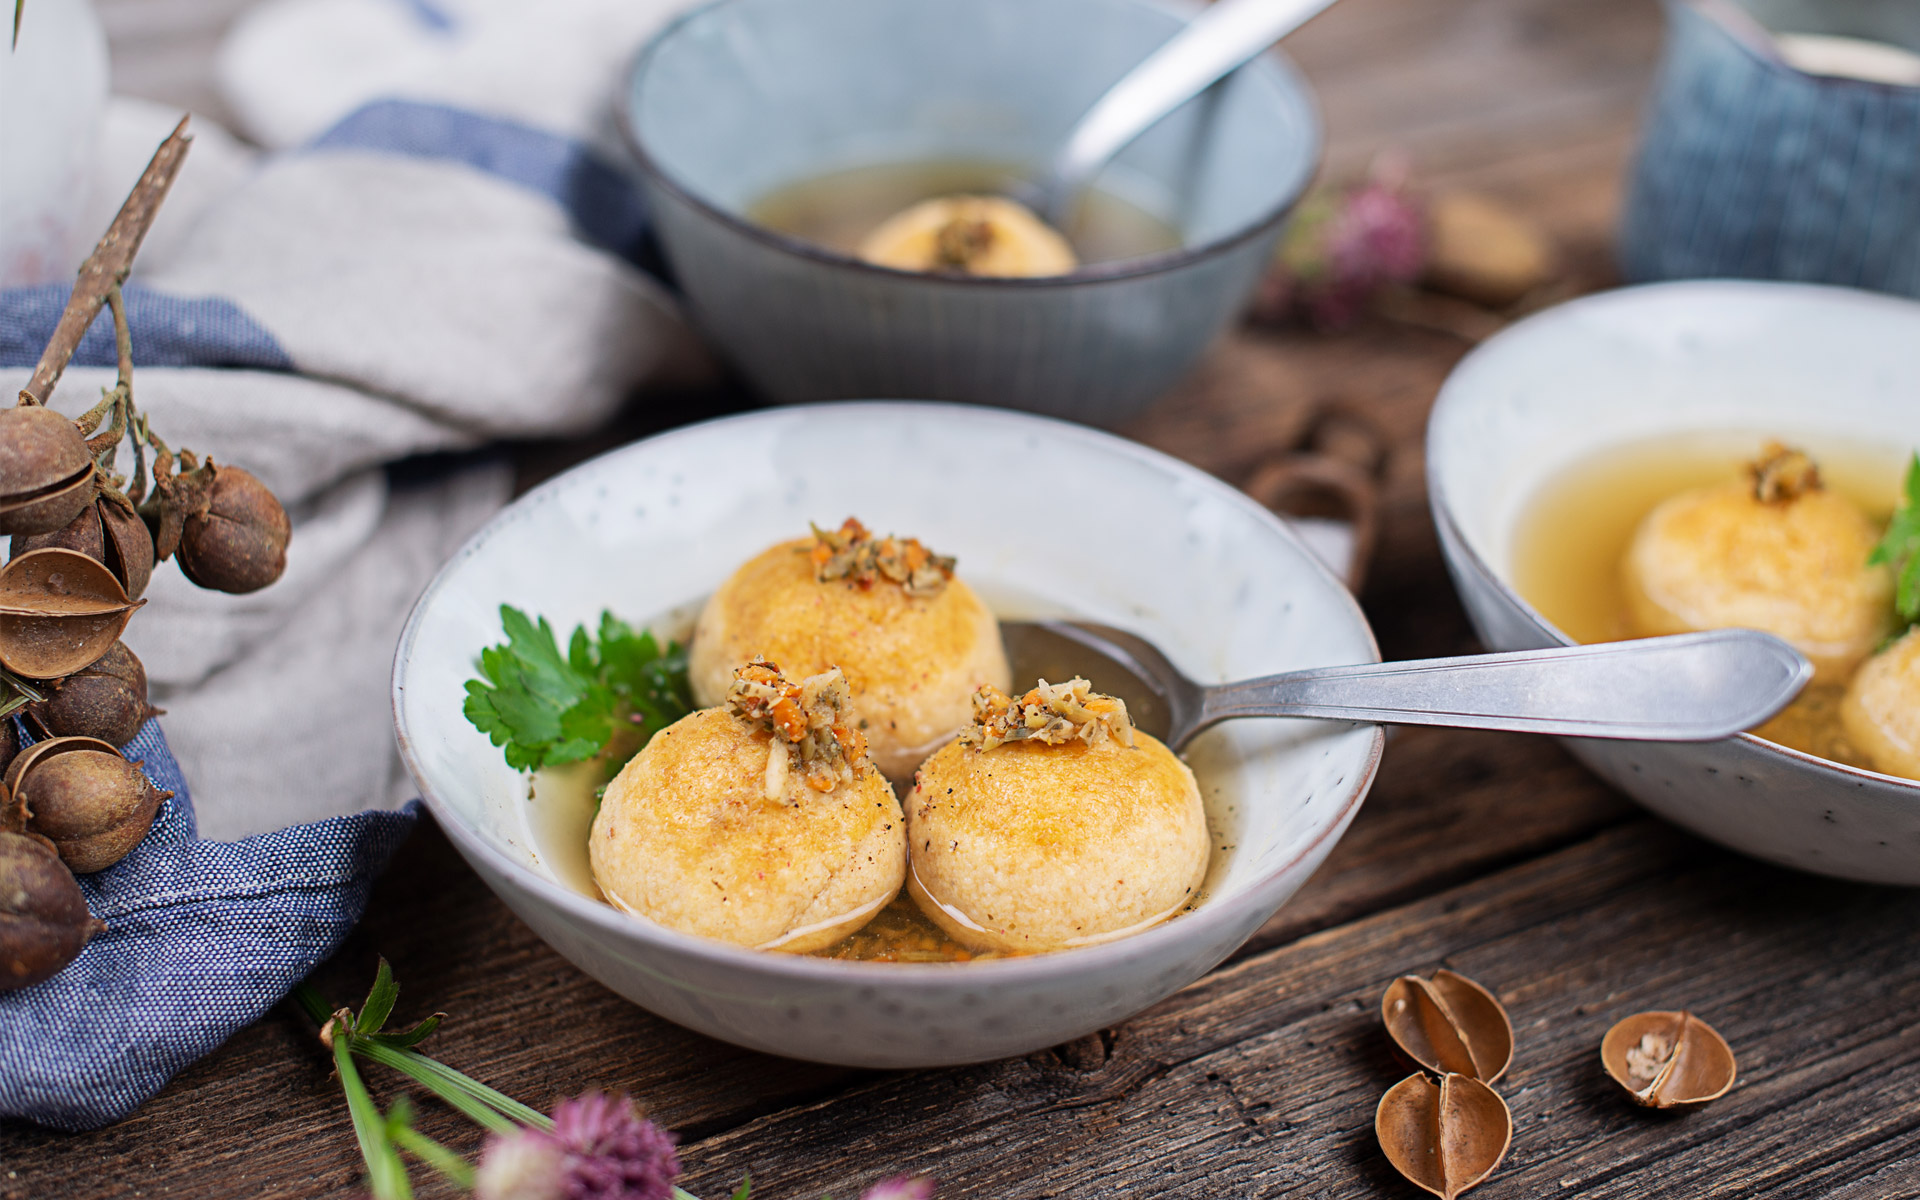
(544, 708)
(1900, 547)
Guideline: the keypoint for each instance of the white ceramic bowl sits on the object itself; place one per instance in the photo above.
(1815, 365)
(1046, 518)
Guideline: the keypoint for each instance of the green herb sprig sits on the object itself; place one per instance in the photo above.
(1899, 548)
(544, 708)
(382, 1136)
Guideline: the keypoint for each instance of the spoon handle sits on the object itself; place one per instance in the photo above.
(1216, 41)
(1695, 687)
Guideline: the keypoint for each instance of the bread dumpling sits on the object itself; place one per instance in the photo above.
(761, 823)
(969, 235)
(1051, 823)
(1881, 710)
(913, 641)
(1778, 552)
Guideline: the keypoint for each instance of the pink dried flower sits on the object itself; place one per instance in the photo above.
(901, 1187)
(1377, 234)
(600, 1148)
(1340, 250)
(526, 1165)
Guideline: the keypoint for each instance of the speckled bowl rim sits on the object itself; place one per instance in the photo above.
(1574, 310)
(1257, 894)
(1126, 268)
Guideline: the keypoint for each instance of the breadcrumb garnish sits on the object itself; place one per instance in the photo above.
(1782, 473)
(814, 732)
(854, 554)
(1051, 713)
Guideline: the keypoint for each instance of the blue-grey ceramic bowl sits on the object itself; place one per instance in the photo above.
(738, 99)
(1752, 169)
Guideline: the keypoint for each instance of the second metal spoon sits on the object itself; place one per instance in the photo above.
(1695, 687)
(1218, 39)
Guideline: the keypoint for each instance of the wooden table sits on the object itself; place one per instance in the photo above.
(1494, 855)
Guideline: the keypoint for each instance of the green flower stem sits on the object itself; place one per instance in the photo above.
(434, 1155)
(476, 1100)
(496, 1111)
(386, 1174)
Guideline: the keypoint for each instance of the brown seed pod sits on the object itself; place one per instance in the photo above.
(46, 471)
(44, 921)
(1668, 1059)
(239, 542)
(82, 534)
(59, 611)
(108, 531)
(1446, 1136)
(1449, 1024)
(106, 700)
(80, 794)
(128, 545)
(9, 746)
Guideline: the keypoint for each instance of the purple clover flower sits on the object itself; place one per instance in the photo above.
(600, 1148)
(901, 1187)
(1340, 250)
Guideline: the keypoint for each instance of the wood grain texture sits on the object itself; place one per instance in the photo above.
(1492, 854)
(1261, 1080)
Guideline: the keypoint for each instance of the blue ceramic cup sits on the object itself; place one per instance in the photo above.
(1752, 168)
(744, 97)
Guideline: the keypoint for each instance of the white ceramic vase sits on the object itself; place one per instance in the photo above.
(53, 94)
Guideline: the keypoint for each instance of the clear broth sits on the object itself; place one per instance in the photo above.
(1574, 532)
(563, 801)
(837, 210)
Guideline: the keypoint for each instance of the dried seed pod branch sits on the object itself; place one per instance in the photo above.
(106, 700)
(1444, 1136)
(44, 921)
(60, 610)
(119, 400)
(1668, 1059)
(85, 798)
(46, 471)
(1449, 1024)
(229, 531)
(107, 267)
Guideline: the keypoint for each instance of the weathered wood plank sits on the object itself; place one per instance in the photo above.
(1262, 1079)
(523, 1019)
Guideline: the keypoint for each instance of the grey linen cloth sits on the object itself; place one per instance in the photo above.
(398, 277)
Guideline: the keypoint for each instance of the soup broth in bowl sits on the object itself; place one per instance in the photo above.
(1573, 542)
(1553, 441)
(1149, 544)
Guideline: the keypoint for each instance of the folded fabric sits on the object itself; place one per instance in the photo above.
(202, 938)
(424, 268)
(416, 279)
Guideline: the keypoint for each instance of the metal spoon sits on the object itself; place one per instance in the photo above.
(1215, 42)
(1694, 687)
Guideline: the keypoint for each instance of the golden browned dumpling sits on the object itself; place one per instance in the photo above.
(1778, 553)
(969, 235)
(913, 641)
(761, 823)
(1881, 711)
(1052, 823)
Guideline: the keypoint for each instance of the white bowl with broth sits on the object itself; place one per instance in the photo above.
(1551, 440)
(1046, 519)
